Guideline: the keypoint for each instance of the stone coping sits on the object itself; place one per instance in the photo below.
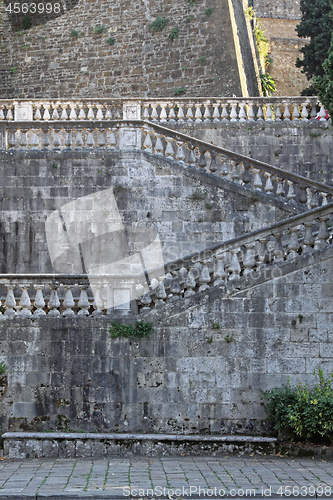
(145, 437)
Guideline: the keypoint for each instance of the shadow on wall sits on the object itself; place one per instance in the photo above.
(25, 15)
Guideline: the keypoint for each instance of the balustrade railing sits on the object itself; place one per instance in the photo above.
(252, 257)
(172, 111)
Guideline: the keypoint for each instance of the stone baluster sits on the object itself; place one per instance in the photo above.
(146, 111)
(2, 115)
(219, 272)
(314, 202)
(257, 182)
(180, 114)
(46, 115)
(68, 303)
(172, 114)
(198, 114)
(291, 195)
(147, 144)
(191, 157)
(175, 288)
(322, 113)
(260, 112)
(204, 277)
(296, 113)
(25, 303)
(68, 140)
(286, 112)
(39, 302)
(12, 140)
(64, 115)
(37, 116)
(79, 141)
(190, 284)
(118, 113)
(207, 115)
(90, 141)
(202, 159)
(10, 115)
(154, 114)
(56, 140)
(249, 259)
(182, 276)
(46, 141)
(280, 191)
(99, 114)
(163, 115)
(235, 175)
(145, 301)
(269, 185)
(234, 267)
(23, 139)
(304, 113)
(158, 145)
(98, 303)
(90, 114)
(313, 113)
(278, 114)
(111, 140)
(180, 153)
(55, 114)
(189, 113)
(10, 302)
(246, 177)
(308, 240)
(269, 114)
(225, 172)
(160, 295)
(101, 140)
(34, 141)
(224, 114)
(82, 115)
(233, 112)
(323, 234)
(293, 243)
(108, 113)
(263, 256)
(169, 152)
(323, 199)
(72, 114)
(303, 197)
(54, 302)
(213, 165)
(83, 304)
(216, 112)
(278, 248)
(251, 115)
(242, 112)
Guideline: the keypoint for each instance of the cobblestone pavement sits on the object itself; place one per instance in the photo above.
(178, 478)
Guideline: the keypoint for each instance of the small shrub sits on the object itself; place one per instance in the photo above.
(189, 19)
(100, 29)
(3, 368)
(179, 91)
(202, 60)
(12, 70)
(26, 22)
(267, 84)
(138, 331)
(216, 325)
(174, 33)
(302, 412)
(191, 1)
(209, 11)
(110, 41)
(229, 338)
(74, 34)
(159, 24)
(198, 195)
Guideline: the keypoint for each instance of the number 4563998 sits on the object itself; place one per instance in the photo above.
(33, 8)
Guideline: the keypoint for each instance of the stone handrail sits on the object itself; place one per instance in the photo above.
(166, 143)
(251, 257)
(181, 110)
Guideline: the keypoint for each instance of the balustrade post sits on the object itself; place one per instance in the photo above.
(293, 243)
(249, 260)
(39, 301)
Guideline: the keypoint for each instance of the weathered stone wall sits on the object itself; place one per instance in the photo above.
(188, 377)
(48, 61)
(302, 148)
(284, 9)
(191, 211)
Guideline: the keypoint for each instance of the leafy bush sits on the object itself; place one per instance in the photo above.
(110, 41)
(174, 33)
(138, 331)
(267, 84)
(100, 29)
(302, 412)
(159, 24)
(179, 91)
(3, 368)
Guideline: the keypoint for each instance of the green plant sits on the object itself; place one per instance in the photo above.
(249, 13)
(267, 84)
(209, 340)
(202, 60)
(110, 41)
(12, 70)
(74, 34)
(191, 1)
(189, 18)
(100, 29)
(300, 318)
(138, 331)
(54, 165)
(179, 91)
(216, 325)
(26, 22)
(198, 195)
(302, 412)
(229, 338)
(3, 368)
(209, 11)
(159, 24)
(174, 33)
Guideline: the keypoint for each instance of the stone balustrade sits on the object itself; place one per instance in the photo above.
(170, 111)
(250, 257)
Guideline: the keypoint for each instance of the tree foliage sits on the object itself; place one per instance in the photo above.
(316, 24)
